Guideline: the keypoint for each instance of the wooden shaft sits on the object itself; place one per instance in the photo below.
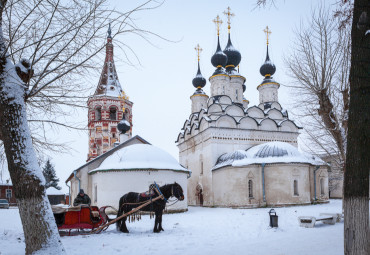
(128, 213)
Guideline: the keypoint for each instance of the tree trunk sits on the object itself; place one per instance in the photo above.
(40, 230)
(356, 176)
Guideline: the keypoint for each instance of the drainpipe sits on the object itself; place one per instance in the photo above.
(69, 193)
(79, 181)
(314, 179)
(263, 182)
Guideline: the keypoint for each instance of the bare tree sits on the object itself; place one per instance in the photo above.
(356, 174)
(46, 47)
(319, 67)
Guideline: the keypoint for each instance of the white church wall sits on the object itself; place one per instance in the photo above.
(279, 184)
(268, 92)
(219, 85)
(198, 102)
(322, 191)
(114, 184)
(211, 143)
(231, 186)
(236, 92)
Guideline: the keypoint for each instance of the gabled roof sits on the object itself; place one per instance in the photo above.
(139, 156)
(110, 152)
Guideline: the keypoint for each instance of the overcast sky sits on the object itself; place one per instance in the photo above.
(160, 86)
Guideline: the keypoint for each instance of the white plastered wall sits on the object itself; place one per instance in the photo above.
(112, 185)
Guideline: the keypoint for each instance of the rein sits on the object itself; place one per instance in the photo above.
(160, 192)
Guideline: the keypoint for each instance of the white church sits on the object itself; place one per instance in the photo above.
(241, 155)
(118, 163)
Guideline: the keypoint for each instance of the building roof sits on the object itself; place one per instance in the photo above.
(267, 153)
(223, 106)
(108, 153)
(139, 156)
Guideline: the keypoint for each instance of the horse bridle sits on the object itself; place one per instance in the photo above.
(173, 194)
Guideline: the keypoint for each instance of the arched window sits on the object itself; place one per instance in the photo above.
(95, 193)
(295, 187)
(98, 113)
(250, 188)
(322, 186)
(113, 113)
(201, 164)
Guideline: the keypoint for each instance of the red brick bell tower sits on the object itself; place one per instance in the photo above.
(105, 108)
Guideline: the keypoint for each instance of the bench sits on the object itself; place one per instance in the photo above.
(338, 216)
(310, 221)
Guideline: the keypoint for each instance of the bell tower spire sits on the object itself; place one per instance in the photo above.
(107, 106)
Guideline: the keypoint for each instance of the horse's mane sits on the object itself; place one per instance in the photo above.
(166, 186)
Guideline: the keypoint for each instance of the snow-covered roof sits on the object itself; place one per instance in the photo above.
(268, 153)
(140, 156)
(53, 191)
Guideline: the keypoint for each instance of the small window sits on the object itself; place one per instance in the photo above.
(98, 113)
(250, 188)
(322, 187)
(295, 188)
(8, 193)
(95, 193)
(201, 164)
(236, 94)
(113, 113)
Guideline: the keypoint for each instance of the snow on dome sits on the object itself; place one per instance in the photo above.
(140, 156)
(228, 158)
(271, 152)
(53, 191)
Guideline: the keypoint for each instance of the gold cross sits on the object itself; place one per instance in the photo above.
(267, 31)
(229, 15)
(199, 50)
(218, 23)
(123, 97)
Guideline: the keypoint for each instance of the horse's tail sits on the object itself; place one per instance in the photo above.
(119, 213)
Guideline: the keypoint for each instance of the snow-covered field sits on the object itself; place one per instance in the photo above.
(201, 231)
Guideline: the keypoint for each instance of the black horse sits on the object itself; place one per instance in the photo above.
(132, 200)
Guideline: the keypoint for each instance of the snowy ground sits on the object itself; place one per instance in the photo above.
(201, 231)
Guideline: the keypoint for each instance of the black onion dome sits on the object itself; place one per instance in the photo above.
(123, 126)
(199, 81)
(219, 59)
(233, 55)
(268, 68)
